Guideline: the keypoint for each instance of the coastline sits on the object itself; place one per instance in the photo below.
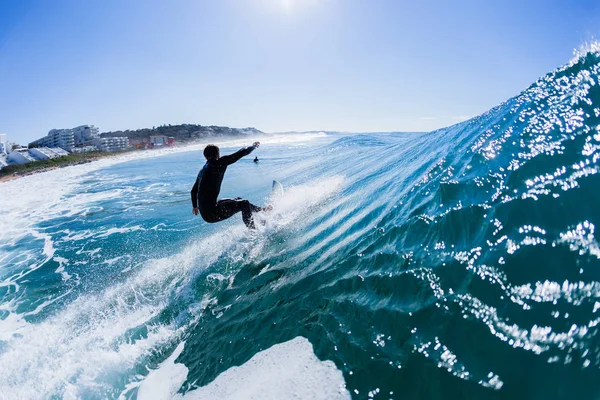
(17, 175)
(49, 165)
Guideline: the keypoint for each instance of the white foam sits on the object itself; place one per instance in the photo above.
(61, 268)
(12, 324)
(79, 351)
(165, 381)
(112, 231)
(284, 371)
(297, 200)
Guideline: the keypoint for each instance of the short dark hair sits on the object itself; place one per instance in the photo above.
(211, 152)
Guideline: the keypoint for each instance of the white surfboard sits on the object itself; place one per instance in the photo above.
(266, 219)
(276, 191)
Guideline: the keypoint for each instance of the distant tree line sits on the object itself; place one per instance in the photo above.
(183, 133)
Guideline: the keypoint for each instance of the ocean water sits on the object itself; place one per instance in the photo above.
(458, 263)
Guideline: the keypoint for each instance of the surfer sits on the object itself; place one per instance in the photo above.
(255, 159)
(208, 185)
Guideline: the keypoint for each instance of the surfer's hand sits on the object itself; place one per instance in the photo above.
(195, 211)
(256, 144)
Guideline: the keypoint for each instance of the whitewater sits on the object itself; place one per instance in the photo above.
(458, 263)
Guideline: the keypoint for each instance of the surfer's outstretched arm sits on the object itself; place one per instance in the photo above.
(230, 159)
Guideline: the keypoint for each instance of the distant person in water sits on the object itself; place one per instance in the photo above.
(208, 185)
(255, 159)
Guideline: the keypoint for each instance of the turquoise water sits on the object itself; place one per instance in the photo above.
(459, 263)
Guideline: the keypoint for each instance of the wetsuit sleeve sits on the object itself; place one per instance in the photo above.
(195, 194)
(230, 159)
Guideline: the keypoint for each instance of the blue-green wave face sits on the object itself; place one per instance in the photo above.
(459, 263)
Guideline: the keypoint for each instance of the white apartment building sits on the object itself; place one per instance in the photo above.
(80, 139)
(67, 139)
(112, 143)
(19, 156)
(63, 138)
(45, 153)
(59, 151)
(84, 149)
(3, 160)
(85, 134)
(3, 143)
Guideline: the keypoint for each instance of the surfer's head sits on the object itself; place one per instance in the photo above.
(211, 152)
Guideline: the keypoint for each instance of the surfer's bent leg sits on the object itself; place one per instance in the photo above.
(227, 207)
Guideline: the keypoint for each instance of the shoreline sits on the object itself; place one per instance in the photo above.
(58, 164)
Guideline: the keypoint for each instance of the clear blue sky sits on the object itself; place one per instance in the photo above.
(277, 65)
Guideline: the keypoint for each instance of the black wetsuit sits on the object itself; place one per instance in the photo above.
(207, 188)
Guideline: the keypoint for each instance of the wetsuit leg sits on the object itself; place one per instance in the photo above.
(227, 207)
